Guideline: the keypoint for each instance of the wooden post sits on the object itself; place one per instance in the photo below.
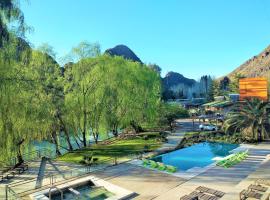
(6, 188)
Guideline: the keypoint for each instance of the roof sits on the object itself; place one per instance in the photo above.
(218, 104)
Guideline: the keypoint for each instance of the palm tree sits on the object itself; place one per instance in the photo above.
(251, 118)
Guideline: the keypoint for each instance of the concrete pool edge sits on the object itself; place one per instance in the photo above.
(194, 171)
(119, 192)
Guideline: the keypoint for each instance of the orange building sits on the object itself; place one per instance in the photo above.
(253, 88)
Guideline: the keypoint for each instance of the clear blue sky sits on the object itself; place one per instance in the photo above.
(192, 37)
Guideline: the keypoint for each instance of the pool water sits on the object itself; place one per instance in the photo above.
(86, 193)
(198, 155)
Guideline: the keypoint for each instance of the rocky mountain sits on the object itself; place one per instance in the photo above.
(257, 66)
(122, 50)
(173, 79)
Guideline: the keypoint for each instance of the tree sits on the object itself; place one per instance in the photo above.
(205, 83)
(251, 118)
(83, 50)
(155, 68)
(224, 83)
(171, 112)
(78, 91)
(214, 90)
(234, 83)
(45, 48)
(24, 107)
(11, 13)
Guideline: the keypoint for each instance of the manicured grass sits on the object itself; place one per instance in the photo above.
(120, 149)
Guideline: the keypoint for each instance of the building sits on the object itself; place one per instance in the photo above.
(253, 88)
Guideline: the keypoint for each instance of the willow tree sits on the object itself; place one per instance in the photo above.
(50, 83)
(132, 93)
(105, 94)
(77, 96)
(10, 13)
(23, 107)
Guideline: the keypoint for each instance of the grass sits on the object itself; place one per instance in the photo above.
(119, 148)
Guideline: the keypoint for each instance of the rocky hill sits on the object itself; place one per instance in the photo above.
(257, 66)
(173, 79)
(122, 50)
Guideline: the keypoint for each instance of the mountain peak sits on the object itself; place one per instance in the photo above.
(124, 51)
(173, 79)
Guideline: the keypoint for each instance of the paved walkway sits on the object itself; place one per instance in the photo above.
(150, 184)
(147, 183)
(31, 174)
(174, 138)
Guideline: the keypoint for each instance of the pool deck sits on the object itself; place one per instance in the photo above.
(151, 184)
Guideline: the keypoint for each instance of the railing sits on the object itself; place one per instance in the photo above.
(24, 188)
(11, 194)
(33, 155)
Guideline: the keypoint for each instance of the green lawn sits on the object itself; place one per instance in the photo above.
(120, 149)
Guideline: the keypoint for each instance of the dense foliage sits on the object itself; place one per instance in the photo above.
(94, 96)
(251, 118)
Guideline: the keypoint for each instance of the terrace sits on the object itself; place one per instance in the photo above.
(146, 183)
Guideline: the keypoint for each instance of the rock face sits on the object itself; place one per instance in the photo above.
(173, 79)
(124, 51)
(257, 66)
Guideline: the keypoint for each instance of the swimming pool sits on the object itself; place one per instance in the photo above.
(197, 155)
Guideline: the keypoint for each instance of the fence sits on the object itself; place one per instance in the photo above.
(24, 188)
(34, 155)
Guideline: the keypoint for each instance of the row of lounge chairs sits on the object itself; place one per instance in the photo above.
(203, 193)
(159, 166)
(233, 160)
(259, 190)
(10, 171)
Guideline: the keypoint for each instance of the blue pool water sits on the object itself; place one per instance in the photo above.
(198, 155)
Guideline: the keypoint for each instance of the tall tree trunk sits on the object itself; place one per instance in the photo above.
(68, 140)
(77, 142)
(66, 133)
(55, 141)
(84, 128)
(115, 131)
(95, 135)
(19, 153)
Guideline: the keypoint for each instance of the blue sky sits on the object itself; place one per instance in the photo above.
(192, 37)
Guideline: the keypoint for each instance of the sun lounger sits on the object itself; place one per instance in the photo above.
(187, 197)
(199, 195)
(210, 191)
(262, 181)
(23, 166)
(6, 175)
(244, 194)
(257, 188)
